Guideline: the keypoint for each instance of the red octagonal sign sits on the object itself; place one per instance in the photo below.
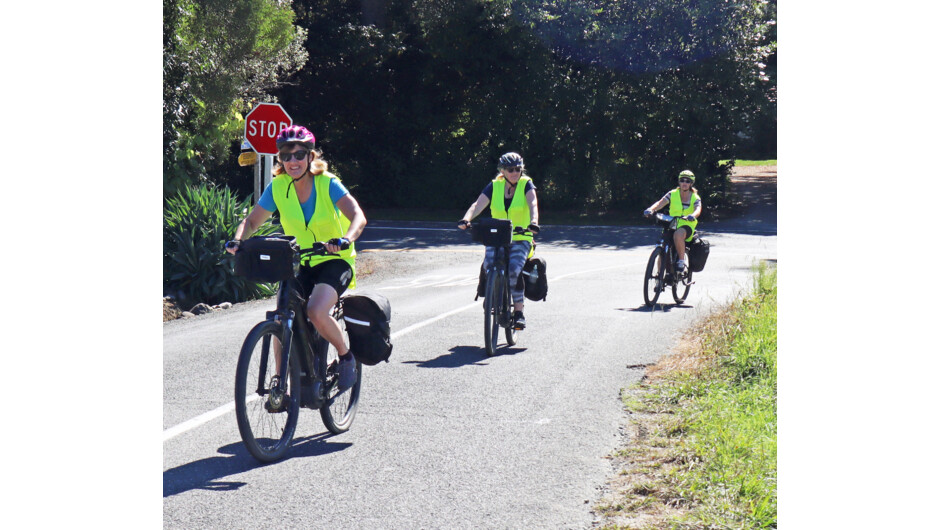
(262, 125)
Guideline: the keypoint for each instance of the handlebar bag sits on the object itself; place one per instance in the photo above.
(698, 250)
(368, 317)
(266, 259)
(492, 232)
(535, 279)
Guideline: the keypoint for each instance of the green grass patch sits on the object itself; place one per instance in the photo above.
(708, 446)
(740, 163)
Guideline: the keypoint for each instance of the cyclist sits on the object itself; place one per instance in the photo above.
(520, 205)
(314, 206)
(685, 203)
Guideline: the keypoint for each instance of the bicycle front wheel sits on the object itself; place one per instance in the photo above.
(653, 279)
(491, 313)
(682, 286)
(507, 309)
(340, 408)
(266, 422)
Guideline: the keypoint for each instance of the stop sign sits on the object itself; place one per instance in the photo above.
(262, 125)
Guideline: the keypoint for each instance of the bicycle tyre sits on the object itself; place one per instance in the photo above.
(266, 435)
(653, 280)
(340, 408)
(683, 286)
(490, 314)
(508, 308)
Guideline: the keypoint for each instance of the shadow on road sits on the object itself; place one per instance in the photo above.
(755, 186)
(205, 474)
(662, 308)
(463, 356)
(609, 237)
(457, 357)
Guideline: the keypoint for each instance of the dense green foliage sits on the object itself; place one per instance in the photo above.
(413, 101)
(219, 58)
(606, 100)
(197, 222)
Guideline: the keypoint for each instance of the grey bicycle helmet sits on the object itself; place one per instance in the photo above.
(510, 160)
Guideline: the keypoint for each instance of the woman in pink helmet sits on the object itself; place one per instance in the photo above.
(314, 206)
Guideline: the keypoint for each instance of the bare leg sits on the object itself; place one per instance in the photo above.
(319, 305)
(679, 240)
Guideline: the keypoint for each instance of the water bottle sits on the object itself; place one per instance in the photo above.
(534, 275)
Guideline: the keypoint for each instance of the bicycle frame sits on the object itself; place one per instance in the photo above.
(500, 267)
(670, 252)
(313, 361)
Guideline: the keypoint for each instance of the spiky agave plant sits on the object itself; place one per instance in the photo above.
(197, 222)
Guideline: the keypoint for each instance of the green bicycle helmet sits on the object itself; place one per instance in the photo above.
(687, 174)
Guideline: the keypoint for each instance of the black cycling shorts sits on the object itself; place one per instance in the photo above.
(336, 273)
(688, 231)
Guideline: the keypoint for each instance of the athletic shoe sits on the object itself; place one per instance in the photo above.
(518, 321)
(347, 372)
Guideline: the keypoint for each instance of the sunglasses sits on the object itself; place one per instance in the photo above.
(512, 169)
(685, 181)
(299, 154)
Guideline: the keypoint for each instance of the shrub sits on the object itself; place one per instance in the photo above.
(197, 222)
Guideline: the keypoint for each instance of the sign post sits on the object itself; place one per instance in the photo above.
(262, 126)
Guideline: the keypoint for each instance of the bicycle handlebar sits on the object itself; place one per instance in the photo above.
(319, 249)
(515, 230)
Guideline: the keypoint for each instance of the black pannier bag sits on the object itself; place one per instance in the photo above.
(698, 250)
(368, 317)
(266, 259)
(536, 280)
(492, 232)
(481, 284)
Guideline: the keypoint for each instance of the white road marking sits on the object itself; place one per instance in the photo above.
(202, 419)
(199, 420)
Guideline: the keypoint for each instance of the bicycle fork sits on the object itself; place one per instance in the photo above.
(278, 388)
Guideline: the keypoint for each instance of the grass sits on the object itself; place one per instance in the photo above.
(740, 163)
(704, 449)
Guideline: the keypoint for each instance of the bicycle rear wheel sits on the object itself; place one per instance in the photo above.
(653, 280)
(682, 286)
(266, 431)
(491, 313)
(340, 408)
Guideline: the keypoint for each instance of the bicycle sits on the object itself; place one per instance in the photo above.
(497, 302)
(271, 386)
(658, 277)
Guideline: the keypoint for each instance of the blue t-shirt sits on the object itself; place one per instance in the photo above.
(337, 192)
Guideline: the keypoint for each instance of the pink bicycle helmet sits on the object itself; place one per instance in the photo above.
(295, 134)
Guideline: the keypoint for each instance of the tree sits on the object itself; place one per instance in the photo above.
(413, 101)
(219, 57)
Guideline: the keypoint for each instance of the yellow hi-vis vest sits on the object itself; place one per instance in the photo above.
(327, 222)
(518, 212)
(676, 209)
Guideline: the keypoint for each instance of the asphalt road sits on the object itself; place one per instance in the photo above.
(446, 437)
